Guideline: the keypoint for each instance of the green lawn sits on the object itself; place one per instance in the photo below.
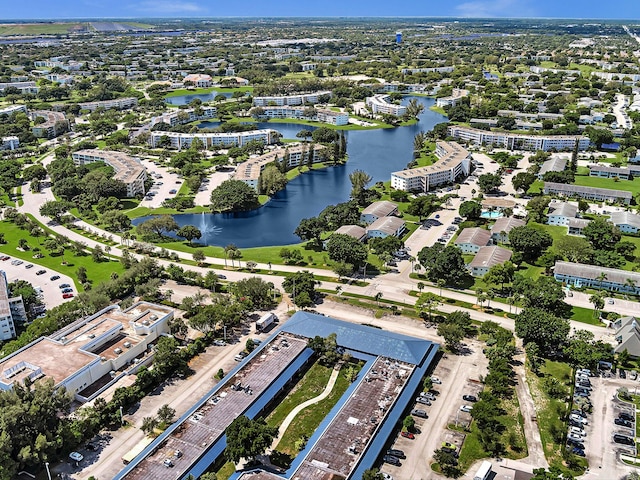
(632, 186)
(204, 91)
(40, 28)
(96, 272)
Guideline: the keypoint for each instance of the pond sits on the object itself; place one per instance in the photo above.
(377, 152)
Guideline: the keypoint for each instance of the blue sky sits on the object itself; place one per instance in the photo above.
(48, 9)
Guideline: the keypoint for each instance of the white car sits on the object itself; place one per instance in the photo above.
(436, 380)
(578, 418)
(76, 457)
(577, 431)
(466, 408)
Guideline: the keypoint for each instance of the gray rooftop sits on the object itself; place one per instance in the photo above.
(625, 218)
(360, 338)
(580, 190)
(563, 209)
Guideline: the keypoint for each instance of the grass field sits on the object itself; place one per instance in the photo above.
(204, 91)
(7, 29)
(632, 186)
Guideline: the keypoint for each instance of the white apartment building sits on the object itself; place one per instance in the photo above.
(128, 169)
(11, 310)
(198, 79)
(117, 103)
(249, 171)
(55, 123)
(24, 87)
(301, 113)
(381, 104)
(300, 99)
(10, 110)
(224, 140)
(105, 344)
(453, 99)
(180, 116)
(454, 161)
(513, 141)
(10, 143)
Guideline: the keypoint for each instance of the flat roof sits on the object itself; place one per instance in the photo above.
(360, 338)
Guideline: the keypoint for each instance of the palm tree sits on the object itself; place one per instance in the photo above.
(598, 302)
(420, 286)
(359, 181)
(414, 108)
(481, 299)
(441, 283)
(378, 296)
(601, 278)
(490, 296)
(168, 293)
(511, 300)
(630, 283)
(338, 289)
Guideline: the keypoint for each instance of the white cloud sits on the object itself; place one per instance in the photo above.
(495, 8)
(168, 7)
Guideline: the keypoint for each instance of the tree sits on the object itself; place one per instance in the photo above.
(359, 181)
(602, 234)
(157, 226)
(423, 206)
(414, 108)
(233, 196)
(299, 282)
(449, 266)
(189, 232)
(534, 355)
(574, 249)
(372, 474)
(149, 424)
(166, 414)
(451, 333)
(346, 249)
(428, 301)
(500, 274)
(256, 290)
(489, 182)
(470, 209)
(199, 256)
(543, 293)
(522, 181)
(272, 180)
(530, 241)
(248, 438)
(597, 299)
(543, 328)
(311, 229)
(55, 209)
(599, 136)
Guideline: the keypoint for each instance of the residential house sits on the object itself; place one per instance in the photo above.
(386, 227)
(554, 164)
(582, 275)
(486, 258)
(378, 210)
(577, 225)
(588, 193)
(500, 230)
(560, 213)
(471, 240)
(627, 222)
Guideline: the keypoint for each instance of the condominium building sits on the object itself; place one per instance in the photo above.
(299, 99)
(10, 143)
(588, 193)
(223, 140)
(606, 171)
(514, 141)
(92, 353)
(488, 257)
(117, 103)
(452, 100)
(627, 222)
(11, 109)
(382, 104)
(592, 276)
(305, 113)
(410, 71)
(198, 79)
(249, 171)
(55, 123)
(128, 169)
(554, 164)
(11, 310)
(180, 116)
(24, 87)
(378, 210)
(454, 162)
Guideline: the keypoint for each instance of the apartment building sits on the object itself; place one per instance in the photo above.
(488, 257)
(223, 140)
(605, 171)
(627, 222)
(198, 79)
(382, 104)
(554, 164)
(582, 275)
(454, 162)
(377, 210)
(249, 171)
(11, 310)
(100, 348)
(299, 99)
(452, 100)
(181, 116)
(10, 110)
(514, 141)
(588, 193)
(128, 169)
(24, 86)
(305, 113)
(117, 103)
(55, 123)
(10, 143)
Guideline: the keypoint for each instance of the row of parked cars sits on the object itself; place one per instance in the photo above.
(577, 418)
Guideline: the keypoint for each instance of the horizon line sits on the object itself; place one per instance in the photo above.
(176, 18)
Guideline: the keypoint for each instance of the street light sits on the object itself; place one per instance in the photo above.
(46, 465)
(121, 417)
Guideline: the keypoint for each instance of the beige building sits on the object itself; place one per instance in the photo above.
(128, 169)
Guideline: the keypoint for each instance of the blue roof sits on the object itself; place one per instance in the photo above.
(361, 338)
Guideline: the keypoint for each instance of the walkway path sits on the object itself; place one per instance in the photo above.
(294, 413)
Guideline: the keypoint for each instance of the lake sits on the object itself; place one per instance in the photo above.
(377, 152)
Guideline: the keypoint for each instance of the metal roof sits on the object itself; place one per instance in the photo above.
(360, 338)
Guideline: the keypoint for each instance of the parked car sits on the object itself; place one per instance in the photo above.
(407, 435)
(423, 400)
(396, 453)
(5, 257)
(633, 375)
(469, 398)
(173, 191)
(578, 451)
(578, 418)
(574, 437)
(449, 446)
(466, 408)
(623, 439)
(575, 443)
(41, 272)
(428, 395)
(623, 374)
(63, 285)
(219, 343)
(390, 459)
(623, 423)
(436, 380)
(67, 290)
(67, 295)
(577, 431)
(419, 413)
(578, 412)
(28, 265)
(626, 416)
(54, 277)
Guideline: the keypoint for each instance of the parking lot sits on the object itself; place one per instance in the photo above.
(164, 182)
(51, 294)
(444, 410)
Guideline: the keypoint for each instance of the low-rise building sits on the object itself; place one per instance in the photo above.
(488, 257)
(582, 275)
(385, 227)
(588, 193)
(560, 213)
(628, 336)
(11, 310)
(299, 99)
(97, 349)
(10, 143)
(305, 113)
(516, 141)
(500, 230)
(116, 103)
(382, 104)
(471, 240)
(605, 171)
(554, 164)
(627, 222)
(577, 225)
(224, 140)
(128, 169)
(454, 162)
(181, 116)
(354, 231)
(11, 109)
(55, 123)
(378, 210)
(452, 100)
(199, 80)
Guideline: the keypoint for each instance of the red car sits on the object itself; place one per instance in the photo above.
(67, 295)
(408, 435)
